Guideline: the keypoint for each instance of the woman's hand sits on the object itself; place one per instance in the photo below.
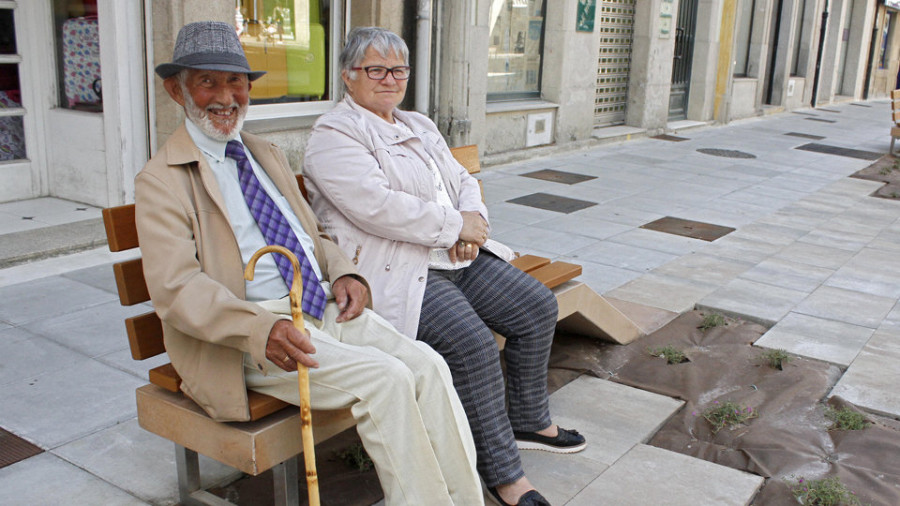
(462, 251)
(474, 228)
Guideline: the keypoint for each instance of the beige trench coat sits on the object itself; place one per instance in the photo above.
(194, 270)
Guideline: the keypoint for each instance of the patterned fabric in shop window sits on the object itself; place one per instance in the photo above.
(81, 61)
(12, 134)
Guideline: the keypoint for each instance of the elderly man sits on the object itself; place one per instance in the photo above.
(205, 203)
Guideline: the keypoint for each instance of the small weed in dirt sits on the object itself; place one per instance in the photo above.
(728, 413)
(846, 419)
(895, 195)
(825, 492)
(776, 358)
(355, 456)
(670, 353)
(712, 320)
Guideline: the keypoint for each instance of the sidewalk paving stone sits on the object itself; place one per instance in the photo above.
(138, 462)
(26, 354)
(623, 256)
(554, 241)
(871, 271)
(757, 302)
(612, 417)
(818, 338)
(738, 248)
(47, 479)
(664, 292)
(27, 302)
(92, 331)
(704, 268)
(659, 241)
(871, 380)
(786, 274)
(62, 405)
(814, 255)
(649, 475)
(584, 226)
(601, 278)
(847, 306)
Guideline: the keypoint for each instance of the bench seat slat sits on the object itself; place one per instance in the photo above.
(121, 233)
(145, 336)
(556, 273)
(529, 263)
(130, 282)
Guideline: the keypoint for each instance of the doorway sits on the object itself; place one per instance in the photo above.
(683, 59)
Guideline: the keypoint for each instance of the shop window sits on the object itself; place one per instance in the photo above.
(886, 31)
(78, 54)
(290, 40)
(516, 49)
(742, 33)
(12, 131)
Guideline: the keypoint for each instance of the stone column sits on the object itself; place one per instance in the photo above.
(650, 79)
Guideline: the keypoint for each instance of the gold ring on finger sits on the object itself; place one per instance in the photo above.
(286, 358)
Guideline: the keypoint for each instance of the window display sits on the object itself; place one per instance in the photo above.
(516, 49)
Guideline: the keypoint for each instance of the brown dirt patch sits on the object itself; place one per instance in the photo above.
(886, 170)
(789, 438)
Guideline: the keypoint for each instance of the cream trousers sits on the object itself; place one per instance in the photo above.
(401, 395)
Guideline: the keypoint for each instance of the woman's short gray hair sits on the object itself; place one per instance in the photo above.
(362, 38)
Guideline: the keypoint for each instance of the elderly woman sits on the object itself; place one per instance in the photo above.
(386, 187)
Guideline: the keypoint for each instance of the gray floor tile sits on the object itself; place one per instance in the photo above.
(61, 406)
(122, 361)
(704, 268)
(848, 306)
(24, 355)
(557, 242)
(786, 274)
(583, 226)
(46, 479)
(743, 250)
(519, 214)
(93, 331)
(601, 278)
(559, 477)
(815, 255)
(100, 276)
(137, 462)
(649, 475)
(672, 294)
(765, 304)
(844, 240)
(774, 234)
(809, 336)
(871, 380)
(871, 271)
(54, 295)
(617, 213)
(612, 417)
(659, 241)
(623, 256)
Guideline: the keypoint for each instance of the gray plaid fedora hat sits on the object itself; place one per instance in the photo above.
(208, 45)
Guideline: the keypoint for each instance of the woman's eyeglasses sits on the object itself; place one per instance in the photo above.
(378, 73)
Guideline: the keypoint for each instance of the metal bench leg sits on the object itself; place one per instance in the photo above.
(188, 466)
(285, 477)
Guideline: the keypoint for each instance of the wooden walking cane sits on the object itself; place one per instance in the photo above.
(296, 295)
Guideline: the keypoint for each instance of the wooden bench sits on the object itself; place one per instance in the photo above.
(271, 440)
(581, 310)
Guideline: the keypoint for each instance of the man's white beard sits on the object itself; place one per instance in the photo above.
(201, 118)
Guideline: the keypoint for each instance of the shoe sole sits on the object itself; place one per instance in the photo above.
(531, 445)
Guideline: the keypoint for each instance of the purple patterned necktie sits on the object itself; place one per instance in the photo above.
(276, 230)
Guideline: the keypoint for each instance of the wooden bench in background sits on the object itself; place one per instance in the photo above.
(271, 440)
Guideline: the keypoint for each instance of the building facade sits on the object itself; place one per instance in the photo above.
(81, 109)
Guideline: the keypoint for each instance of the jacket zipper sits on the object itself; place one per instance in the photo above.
(356, 255)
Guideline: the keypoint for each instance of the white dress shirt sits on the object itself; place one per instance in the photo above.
(267, 282)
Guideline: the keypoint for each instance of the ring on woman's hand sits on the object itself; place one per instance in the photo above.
(462, 243)
(469, 245)
(286, 358)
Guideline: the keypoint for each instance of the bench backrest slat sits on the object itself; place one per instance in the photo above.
(130, 282)
(121, 233)
(145, 336)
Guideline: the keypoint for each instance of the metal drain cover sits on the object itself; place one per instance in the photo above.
(822, 120)
(688, 228)
(806, 136)
(552, 202)
(667, 137)
(14, 449)
(727, 153)
(837, 150)
(558, 176)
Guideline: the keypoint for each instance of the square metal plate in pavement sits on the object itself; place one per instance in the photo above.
(688, 228)
(667, 137)
(837, 150)
(14, 449)
(558, 176)
(552, 202)
(806, 136)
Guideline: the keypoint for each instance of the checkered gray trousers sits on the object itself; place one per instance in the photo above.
(458, 312)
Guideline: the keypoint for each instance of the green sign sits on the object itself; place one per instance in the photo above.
(584, 20)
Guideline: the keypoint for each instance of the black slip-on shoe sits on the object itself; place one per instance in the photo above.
(530, 498)
(567, 441)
